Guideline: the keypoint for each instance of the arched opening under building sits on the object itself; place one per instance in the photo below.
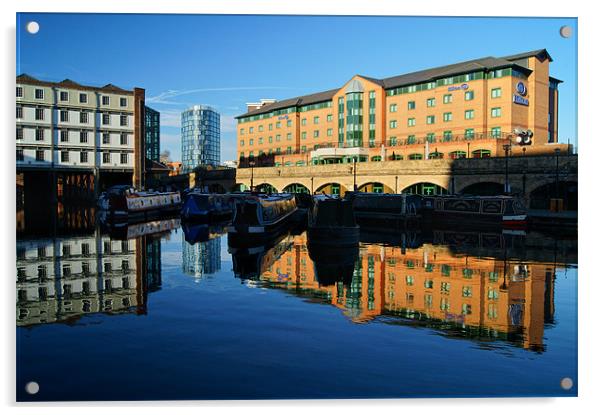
(295, 188)
(240, 187)
(484, 189)
(375, 187)
(331, 189)
(265, 188)
(425, 189)
(567, 191)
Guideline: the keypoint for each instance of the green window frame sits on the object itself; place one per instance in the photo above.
(411, 105)
(316, 133)
(496, 132)
(289, 123)
(496, 112)
(329, 132)
(251, 142)
(469, 133)
(430, 119)
(278, 124)
(447, 116)
(447, 135)
(329, 118)
(430, 102)
(393, 108)
(447, 98)
(242, 143)
(496, 92)
(303, 121)
(411, 122)
(303, 135)
(316, 119)
(415, 156)
(393, 124)
(469, 114)
(412, 139)
(277, 137)
(468, 95)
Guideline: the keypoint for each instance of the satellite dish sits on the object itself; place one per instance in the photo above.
(519, 139)
(529, 133)
(527, 139)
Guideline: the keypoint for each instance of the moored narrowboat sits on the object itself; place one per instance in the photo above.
(199, 206)
(331, 222)
(124, 203)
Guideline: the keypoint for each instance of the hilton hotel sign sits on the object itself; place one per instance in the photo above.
(520, 99)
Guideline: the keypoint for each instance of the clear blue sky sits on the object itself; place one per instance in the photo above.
(226, 61)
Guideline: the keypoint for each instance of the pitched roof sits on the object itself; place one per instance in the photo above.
(428, 75)
(68, 83)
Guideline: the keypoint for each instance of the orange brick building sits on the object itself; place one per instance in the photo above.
(467, 109)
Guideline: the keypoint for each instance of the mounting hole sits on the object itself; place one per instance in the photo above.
(566, 31)
(32, 27)
(32, 388)
(566, 383)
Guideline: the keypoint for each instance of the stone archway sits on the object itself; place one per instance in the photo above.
(539, 197)
(331, 189)
(483, 189)
(425, 189)
(265, 188)
(295, 188)
(375, 187)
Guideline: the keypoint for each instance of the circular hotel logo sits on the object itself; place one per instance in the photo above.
(521, 88)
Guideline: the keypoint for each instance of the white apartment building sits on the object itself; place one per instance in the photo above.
(66, 125)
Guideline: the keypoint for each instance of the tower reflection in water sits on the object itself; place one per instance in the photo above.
(201, 249)
(483, 287)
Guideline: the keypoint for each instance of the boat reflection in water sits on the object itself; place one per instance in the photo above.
(484, 288)
(201, 249)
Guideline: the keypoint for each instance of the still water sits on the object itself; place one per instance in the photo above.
(179, 314)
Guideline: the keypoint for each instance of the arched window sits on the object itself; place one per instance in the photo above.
(425, 189)
(376, 158)
(415, 156)
(435, 155)
(300, 163)
(457, 154)
(481, 154)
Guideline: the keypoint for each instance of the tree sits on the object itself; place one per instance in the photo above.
(165, 156)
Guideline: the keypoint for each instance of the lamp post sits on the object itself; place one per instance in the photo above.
(507, 184)
(312, 185)
(354, 174)
(557, 151)
(468, 154)
(396, 178)
(252, 164)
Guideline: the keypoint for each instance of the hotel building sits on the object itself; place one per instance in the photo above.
(200, 137)
(467, 109)
(66, 126)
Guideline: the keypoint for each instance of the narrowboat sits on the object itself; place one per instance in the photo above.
(260, 216)
(390, 210)
(249, 262)
(124, 230)
(202, 232)
(506, 211)
(331, 222)
(199, 206)
(124, 203)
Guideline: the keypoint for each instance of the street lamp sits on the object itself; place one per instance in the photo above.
(507, 185)
(312, 185)
(468, 154)
(557, 151)
(354, 174)
(252, 164)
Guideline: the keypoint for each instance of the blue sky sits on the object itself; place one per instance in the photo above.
(226, 61)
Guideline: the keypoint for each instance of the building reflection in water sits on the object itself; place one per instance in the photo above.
(201, 259)
(429, 285)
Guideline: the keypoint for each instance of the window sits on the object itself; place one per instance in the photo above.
(19, 113)
(468, 114)
(260, 140)
(39, 155)
(260, 128)
(393, 108)
(251, 129)
(457, 155)
(496, 92)
(289, 150)
(289, 123)
(496, 132)
(329, 132)
(83, 136)
(303, 135)
(39, 93)
(251, 142)
(430, 119)
(64, 96)
(39, 134)
(123, 102)
(242, 131)
(106, 158)
(316, 120)
(106, 119)
(19, 134)
(469, 95)
(411, 122)
(430, 137)
(278, 124)
(469, 133)
(64, 156)
(106, 138)
(415, 156)
(393, 141)
(481, 154)
(123, 120)
(304, 121)
(242, 143)
(447, 116)
(316, 133)
(447, 136)
(124, 158)
(64, 136)
(124, 139)
(83, 98)
(430, 102)
(83, 117)
(447, 98)
(19, 92)
(467, 291)
(393, 124)
(329, 118)
(64, 116)
(411, 105)
(106, 100)
(83, 158)
(411, 139)
(39, 114)
(496, 112)
(20, 155)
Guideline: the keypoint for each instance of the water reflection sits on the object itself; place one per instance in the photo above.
(483, 286)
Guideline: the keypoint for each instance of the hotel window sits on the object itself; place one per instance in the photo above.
(303, 135)
(469, 95)
(393, 108)
(496, 112)
(39, 114)
(496, 92)
(466, 309)
(329, 132)
(39, 94)
(304, 121)
(19, 113)
(123, 102)
(468, 114)
(251, 129)
(64, 156)
(251, 154)
(83, 158)
(289, 150)
(289, 123)
(481, 154)
(492, 294)
(430, 102)
(19, 134)
(39, 134)
(83, 98)
(242, 131)
(467, 291)
(457, 155)
(19, 92)
(411, 105)
(123, 158)
(447, 135)
(316, 133)
(106, 100)
(496, 132)
(415, 156)
(123, 120)
(303, 149)
(316, 120)
(39, 155)
(124, 139)
(106, 138)
(278, 137)
(251, 142)
(64, 116)
(83, 117)
(242, 143)
(409, 280)
(64, 96)
(447, 98)
(64, 136)
(411, 122)
(278, 124)
(393, 124)
(83, 137)
(260, 140)
(106, 119)
(411, 139)
(270, 127)
(278, 150)
(445, 287)
(430, 119)
(329, 118)
(260, 128)
(430, 137)
(492, 311)
(393, 141)
(20, 155)
(469, 133)
(270, 139)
